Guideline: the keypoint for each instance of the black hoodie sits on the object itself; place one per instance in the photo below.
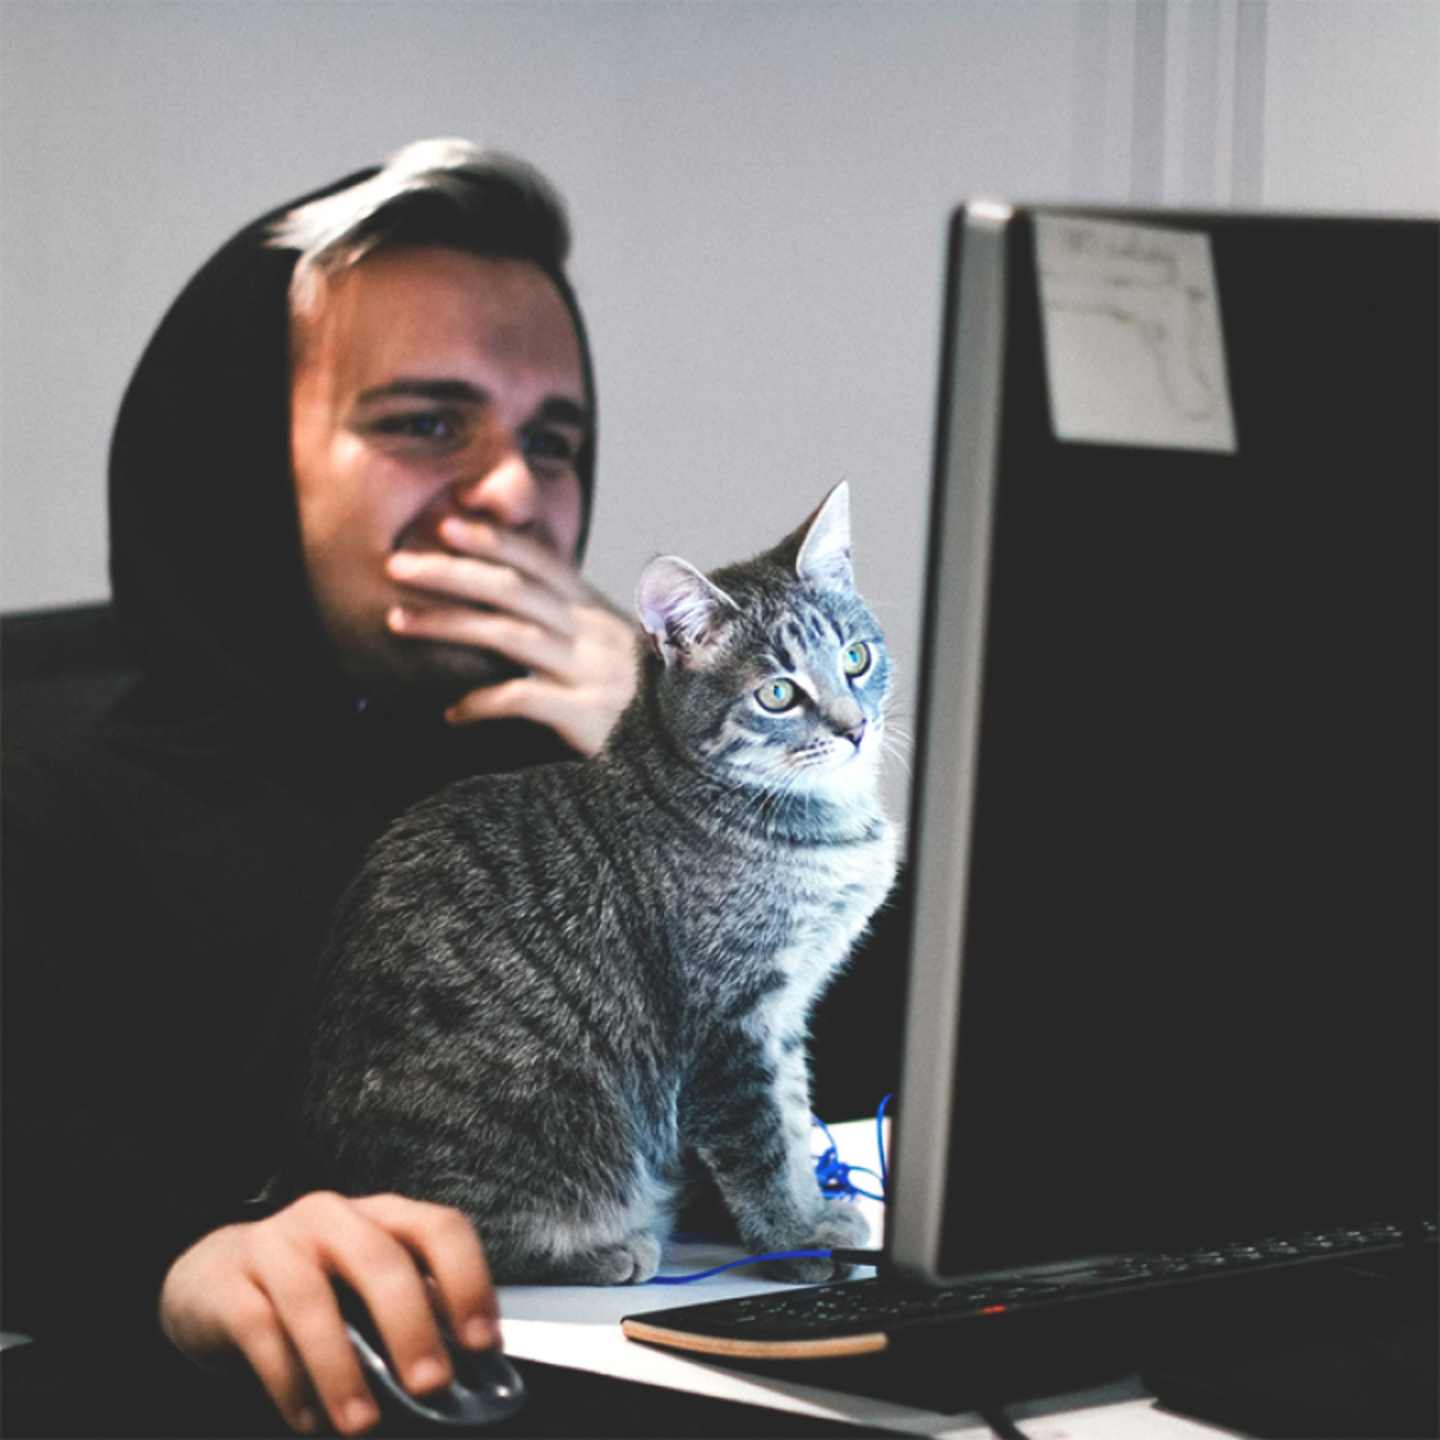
(171, 856)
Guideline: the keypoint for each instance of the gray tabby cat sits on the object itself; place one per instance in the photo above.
(549, 993)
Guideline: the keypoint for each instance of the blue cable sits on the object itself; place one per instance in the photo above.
(833, 1176)
(737, 1264)
(880, 1143)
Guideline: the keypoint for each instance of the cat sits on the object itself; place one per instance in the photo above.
(549, 994)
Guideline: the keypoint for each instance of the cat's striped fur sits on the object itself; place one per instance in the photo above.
(548, 992)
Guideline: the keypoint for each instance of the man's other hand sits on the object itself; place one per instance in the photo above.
(578, 650)
(263, 1290)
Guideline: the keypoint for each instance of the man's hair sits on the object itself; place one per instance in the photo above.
(433, 192)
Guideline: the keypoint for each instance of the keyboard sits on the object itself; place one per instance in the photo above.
(858, 1317)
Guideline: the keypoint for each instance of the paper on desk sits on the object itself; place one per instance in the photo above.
(1134, 353)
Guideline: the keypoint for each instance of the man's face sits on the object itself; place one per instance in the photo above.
(429, 383)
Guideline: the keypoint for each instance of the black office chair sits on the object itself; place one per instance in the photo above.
(64, 640)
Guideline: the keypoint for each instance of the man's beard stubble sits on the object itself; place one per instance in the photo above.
(446, 671)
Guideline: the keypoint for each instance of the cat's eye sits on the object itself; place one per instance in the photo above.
(776, 695)
(857, 659)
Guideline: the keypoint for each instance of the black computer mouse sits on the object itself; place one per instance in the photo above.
(486, 1389)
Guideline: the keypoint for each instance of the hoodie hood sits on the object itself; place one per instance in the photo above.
(206, 563)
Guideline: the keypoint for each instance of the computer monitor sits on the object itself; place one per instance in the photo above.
(1174, 820)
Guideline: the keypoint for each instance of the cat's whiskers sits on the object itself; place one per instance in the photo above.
(747, 802)
(778, 795)
(900, 737)
(787, 775)
(899, 748)
(894, 718)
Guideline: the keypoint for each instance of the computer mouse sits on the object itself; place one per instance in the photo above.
(486, 1389)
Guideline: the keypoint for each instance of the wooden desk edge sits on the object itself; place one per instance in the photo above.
(829, 1349)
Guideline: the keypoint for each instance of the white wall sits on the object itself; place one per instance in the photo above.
(759, 190)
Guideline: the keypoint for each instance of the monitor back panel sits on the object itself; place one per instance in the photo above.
(1198, 995)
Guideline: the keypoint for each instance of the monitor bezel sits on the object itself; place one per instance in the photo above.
(942, 797)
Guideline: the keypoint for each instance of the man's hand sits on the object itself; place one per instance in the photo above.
(263, 1291)
(579, 650)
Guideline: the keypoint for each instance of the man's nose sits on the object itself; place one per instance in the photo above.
(502, 489)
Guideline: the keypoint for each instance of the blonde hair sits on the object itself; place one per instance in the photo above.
(433, 192)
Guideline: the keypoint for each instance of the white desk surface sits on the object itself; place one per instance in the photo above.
(579, 1327)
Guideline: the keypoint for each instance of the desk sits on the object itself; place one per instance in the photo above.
(578, 1327)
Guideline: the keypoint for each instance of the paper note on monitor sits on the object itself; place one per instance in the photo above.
(1133, 347)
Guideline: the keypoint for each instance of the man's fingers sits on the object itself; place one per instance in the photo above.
(578, 721)
(307, 1310)
(508, 700)
(477, 581)
(523, 641)
(381, 1270)
(512, 548)
(265, 1290)
(445, 1243)
(535, 611)
(260, 1338)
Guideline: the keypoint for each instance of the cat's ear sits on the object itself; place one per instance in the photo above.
(680, 609)
(824, 558)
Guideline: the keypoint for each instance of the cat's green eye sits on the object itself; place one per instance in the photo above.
(776, 695)
(857, 659)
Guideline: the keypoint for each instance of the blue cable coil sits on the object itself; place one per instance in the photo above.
(832, 1174)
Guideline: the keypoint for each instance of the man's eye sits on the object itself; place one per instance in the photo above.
(423, 425)
(550, 445)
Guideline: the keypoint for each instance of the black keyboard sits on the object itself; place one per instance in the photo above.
(852, 1317)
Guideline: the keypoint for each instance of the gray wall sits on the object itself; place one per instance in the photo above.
(759, 190)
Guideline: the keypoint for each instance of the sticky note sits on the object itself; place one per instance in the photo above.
(1134, 353)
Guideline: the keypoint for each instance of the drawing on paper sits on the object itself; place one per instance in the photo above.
(1132, 334)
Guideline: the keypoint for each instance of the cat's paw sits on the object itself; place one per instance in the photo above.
(837, 1224)
(841, 1223)
(804, 1272)
(632, 1262)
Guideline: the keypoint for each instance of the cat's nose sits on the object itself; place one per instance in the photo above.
(847, 719)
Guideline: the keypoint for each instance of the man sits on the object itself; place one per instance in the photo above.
(349, 487)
